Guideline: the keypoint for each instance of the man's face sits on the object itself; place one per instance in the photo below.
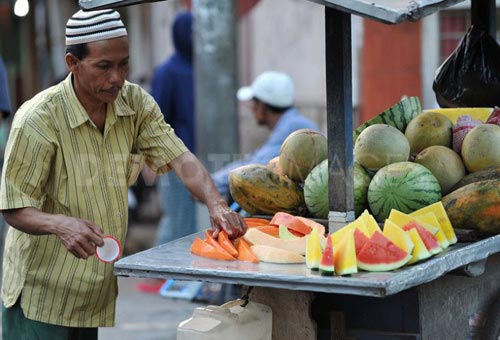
(259, 112)
(99, 76)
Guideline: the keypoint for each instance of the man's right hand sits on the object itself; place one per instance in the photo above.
(79, 236)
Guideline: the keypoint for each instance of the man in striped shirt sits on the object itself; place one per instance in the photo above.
(73, 151)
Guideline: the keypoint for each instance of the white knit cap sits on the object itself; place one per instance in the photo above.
(88, 26)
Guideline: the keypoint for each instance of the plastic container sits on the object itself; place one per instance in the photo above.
(229, 321)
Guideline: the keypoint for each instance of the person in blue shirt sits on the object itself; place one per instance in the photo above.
(272, 99)
(173, 89)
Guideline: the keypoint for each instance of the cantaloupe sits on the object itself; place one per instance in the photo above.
(257, 237)
(276, 255)
(428, 128)
(480, 147)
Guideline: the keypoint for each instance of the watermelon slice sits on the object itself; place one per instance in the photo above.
(430, 241)
(313, 250)
(359, 240)
(420, 251)
(370, 222)
(398, 236)
(438, 210)
(380, 254)
(431, 219)
(345, 256)
(327, 265)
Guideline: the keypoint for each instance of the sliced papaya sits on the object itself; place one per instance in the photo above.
(255, 221)
(245, 253)
(270, 230)
(291, 222)
(213, 242)
(226, 243)
(202, 248)
(312, 224)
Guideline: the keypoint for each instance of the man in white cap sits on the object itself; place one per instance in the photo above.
(73, 151)
(272, 99)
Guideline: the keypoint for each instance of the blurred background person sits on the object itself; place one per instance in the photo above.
(173, 89)
(271, 97)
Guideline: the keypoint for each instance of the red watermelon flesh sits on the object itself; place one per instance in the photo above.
(380, 254)
(326, 266)
(430, 241)
(359, 240)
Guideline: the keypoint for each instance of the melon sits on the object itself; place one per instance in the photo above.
(370, 222)
(429, 221)
(349, 228)
(480, 148)
(274, 165)
(300, 152)
(439, 211)
(379, 145)
(257, 237)
(285, 234)
(427, 237)
(327, 264)
(313, 250)
(291, 222)
(429, 128)
(404, 186)
(401, 219)
(360, 240)
(380, 254)
(276, 255)
(420, 251)
(444, 163)
(345, 256)
(362, 179)
(316, 190)
(398, 236)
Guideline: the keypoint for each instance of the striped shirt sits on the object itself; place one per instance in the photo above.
(59, 162)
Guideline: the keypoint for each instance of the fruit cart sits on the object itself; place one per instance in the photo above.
(449, 296)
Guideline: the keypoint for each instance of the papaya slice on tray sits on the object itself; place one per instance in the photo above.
(213, 242)
(312, 224)
(226, 243)
(245, 253)
(255, 221)
(202, 248)
(269, 229)
(291, 222)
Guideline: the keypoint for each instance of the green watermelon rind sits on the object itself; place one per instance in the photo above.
(387, 189)
(316, 190)
(398, 115)
(383, 267)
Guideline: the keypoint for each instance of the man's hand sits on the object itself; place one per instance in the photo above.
(79, 236)
(221, 217)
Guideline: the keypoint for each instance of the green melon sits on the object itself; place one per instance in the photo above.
(404, 186)
(301, 151)
(379, 145)
(480, 149)
(316, 190)
(427, 129)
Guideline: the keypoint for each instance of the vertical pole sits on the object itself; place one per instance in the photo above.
(339, 117)
(216, 81)
(483, 14)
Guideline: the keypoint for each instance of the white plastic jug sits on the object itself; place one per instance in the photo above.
(229, 321)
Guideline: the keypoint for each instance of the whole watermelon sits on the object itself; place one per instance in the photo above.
(404, 186)
(301, 151)
(316, 190)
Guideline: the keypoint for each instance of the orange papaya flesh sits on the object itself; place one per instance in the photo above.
(202, 248)
(213, 242)
(245, 253)
(269, 229)
(291, 222)
(255, 221)
(226, 243)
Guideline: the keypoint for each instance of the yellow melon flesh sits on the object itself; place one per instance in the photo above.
(358, 223)
(438, 210)
(313, 249)
(401, 219)
(429, 220)
(398, 236)
(345, 256)
(420, 251)
(257, 237)
(276, 255)
(370, 223)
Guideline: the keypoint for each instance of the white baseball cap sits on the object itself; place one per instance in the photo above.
(273, 88)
